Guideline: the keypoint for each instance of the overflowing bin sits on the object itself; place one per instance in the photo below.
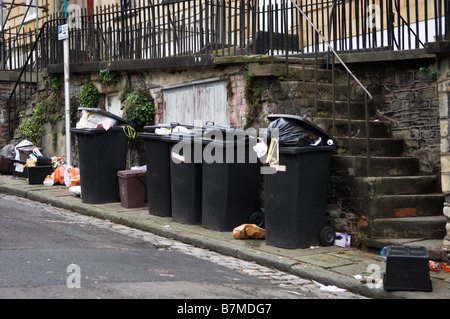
(230, 177)
(296, 195)
(101, 154)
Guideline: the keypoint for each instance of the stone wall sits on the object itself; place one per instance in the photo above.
(5, 89)
(444, 110)
(406, 94)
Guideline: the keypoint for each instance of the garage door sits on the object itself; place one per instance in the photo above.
(197, 101)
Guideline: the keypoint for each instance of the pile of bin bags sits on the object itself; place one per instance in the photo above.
(15, 158)
(26, 160)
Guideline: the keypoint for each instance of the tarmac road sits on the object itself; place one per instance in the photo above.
(51, 253)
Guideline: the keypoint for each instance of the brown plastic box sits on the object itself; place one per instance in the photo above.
(133, 188)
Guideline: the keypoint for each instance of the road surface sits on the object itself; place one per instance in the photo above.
(53, 253)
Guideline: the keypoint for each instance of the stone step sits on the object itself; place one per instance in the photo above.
(380, 166)
(396, 185)
(325, 109)
(390, 147)
(426, 227)
(324, 91)
(396, 206)
(296, 72)
(377, 129)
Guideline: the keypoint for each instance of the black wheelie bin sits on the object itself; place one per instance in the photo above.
(101, 154)
(230, 177)
(185, 175)
(296, 194)
(158, 168)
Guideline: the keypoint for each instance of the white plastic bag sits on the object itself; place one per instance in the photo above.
(94, 120)
(75, 190)
(260, 149)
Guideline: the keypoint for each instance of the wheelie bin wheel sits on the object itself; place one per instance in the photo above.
(327, 236)
(258, 219)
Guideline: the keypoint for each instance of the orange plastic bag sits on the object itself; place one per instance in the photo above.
(445, 267)
(72, 175)
(59, 174)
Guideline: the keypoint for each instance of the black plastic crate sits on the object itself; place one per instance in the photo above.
(37, 174)
(407, 268)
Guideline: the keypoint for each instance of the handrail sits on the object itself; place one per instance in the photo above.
(19, 78)
(367, 123)
(331, 49)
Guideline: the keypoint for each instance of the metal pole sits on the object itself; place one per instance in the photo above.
(67, 94)
(37, 18)
(2, 39)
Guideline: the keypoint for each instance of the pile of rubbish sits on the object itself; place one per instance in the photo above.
(26, 160)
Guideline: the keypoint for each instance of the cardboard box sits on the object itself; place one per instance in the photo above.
(342, 240)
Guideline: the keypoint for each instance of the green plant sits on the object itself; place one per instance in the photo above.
(49, 109)
(109, 77)
(431, 73)
(253, 94)
(54, 81)
(138, 106)
(30, 130)
(89, 95)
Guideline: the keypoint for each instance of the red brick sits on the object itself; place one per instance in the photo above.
(403, 212)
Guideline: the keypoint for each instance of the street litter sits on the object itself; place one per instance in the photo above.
(434, 266)
(75, 190)
(62, 174)
(342, 240)
(377, 283)
(445, 267)
(246, 231)
(329, 288)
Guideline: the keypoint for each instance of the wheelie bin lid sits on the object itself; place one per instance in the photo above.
(165, 129)
(231, 135)
(120, 120)
(327, 142)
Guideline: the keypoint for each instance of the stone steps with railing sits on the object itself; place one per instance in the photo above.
(397, 201)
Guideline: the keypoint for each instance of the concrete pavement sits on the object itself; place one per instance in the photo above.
(330, 265)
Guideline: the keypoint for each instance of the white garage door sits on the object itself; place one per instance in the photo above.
(197, 101)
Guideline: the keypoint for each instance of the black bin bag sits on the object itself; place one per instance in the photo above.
(291, 134)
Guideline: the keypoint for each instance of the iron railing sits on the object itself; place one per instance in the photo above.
(14, 48)
(233, 27)
(25, 85)
(236, 27)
